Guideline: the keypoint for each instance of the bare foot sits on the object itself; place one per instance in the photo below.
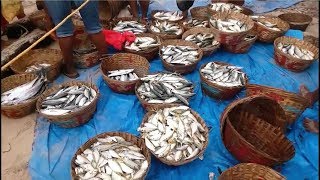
(311, 125)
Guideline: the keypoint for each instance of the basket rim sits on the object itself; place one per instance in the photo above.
(280, 39)
(199, 120)
(112, 133)
(57, 88)
(283, 17)
(214, 84)
(287, 26)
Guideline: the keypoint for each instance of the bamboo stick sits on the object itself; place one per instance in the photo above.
(44, 36)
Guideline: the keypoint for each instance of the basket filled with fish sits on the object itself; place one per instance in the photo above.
(269, 28)
(299, 21)
(129, 24)
(244, 46)
(245, 130)
(221, 80)
(70, 104)
(231, 27)
(175, 135)
(194, 23)
(250, 171)
(145, 45)
(180, 56)
(37, 59)
(204, 38)
(111, 155)
(200, 12)
(213, 8)
(171, 16)
(122, 71)
(166, 30)
(158, 90)
(19, 94)
(293, 104)
(294, 54)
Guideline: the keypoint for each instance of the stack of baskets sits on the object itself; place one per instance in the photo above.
(253, 130)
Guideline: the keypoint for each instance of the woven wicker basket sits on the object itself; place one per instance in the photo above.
(38, 56)
(38, 19)
(205, 134)
(86, 60)
(150, 53)
(116, 20)
(298, 21)
(154, 19)
(151, 106)
(165, 36)
(200, 12)
(244, 10)
(232, 38)
(207, 50)
(216, 91)
(182, 69)
(128, 137)
(311, 39)
(292, 63)
(292, 103)
(268, 35)
(187, 27)
(241, 47)
(249, 136)
(22, 109)
(72, 119)
(244, 171)
(124, 61)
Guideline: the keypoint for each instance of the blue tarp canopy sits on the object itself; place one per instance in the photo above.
(54, 147)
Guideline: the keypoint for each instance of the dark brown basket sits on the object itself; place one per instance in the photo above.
(207, 50)
(200, 12)
(182, 69)
(72, 119)
(268, 35)
(150, 53)
(188, 27)
(151, 106)
(165, 36)
(241, 47)
(116, 20)
(216, 91)
(38, 19)
(293, 104)
(292, 63)
(249, 136)
(38, 56)
(124, 61)
(245, 171)
(205, 134)
(128, 137)
(232, 38)
(24, 108)
(244, 10)
(298, 21)
(154, 19)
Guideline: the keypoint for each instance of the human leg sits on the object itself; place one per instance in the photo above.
(134, 8)
(144, 4)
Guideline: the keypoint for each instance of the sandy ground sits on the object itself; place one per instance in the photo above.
(17, 134)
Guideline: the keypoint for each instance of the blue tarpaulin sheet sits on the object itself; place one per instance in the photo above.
(54, 147)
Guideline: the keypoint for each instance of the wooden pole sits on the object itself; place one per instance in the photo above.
(44, 36)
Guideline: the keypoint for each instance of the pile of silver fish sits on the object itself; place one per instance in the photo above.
(123, 75)
(174, 134)
(196, 23)
(168, 16)
(24, 92)
(184, 55)
(223, 75)
(222, 7)
(269, 25)
(130, 26)
(166, 27)
(203, 40)
(111, 158)
(142, 43)
(68, 99)
(228, 25)
(296, 51)
(165, 88)
(37, 67)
